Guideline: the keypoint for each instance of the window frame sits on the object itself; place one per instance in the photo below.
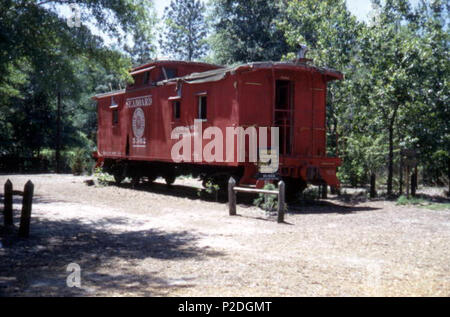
(176, 103)
(115, 116)
(200, 97)
(147, 79)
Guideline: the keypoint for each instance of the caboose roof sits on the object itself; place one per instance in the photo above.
(172, 63)
(109, 94)
(220, 73)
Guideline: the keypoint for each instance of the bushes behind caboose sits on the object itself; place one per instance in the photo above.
(76, 161)
(81, 161)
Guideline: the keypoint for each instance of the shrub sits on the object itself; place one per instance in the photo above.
(103, 179)
(311, 193)
(403, 200)
(77, 162)
(80, 161)
(267, 202)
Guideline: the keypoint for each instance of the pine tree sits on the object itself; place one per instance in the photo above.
(185, 30)
(246, 31)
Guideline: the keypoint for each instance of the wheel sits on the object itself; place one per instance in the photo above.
(135, 180)
(294, 187)
(151, 179)
(170, 179)
(119, 175)
(118, 178)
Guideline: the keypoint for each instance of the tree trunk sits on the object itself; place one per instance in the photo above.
(373, 186)
(58, 135)
(400, 186)
(390, 160)
(407, 180)
(414, 182)
(448, 175)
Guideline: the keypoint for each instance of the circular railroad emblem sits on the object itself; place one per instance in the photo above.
(138, 123)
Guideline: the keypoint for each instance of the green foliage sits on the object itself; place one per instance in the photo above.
(246, 31)
(267, 202)
(394, 96)
(185, 29)
(143, 48)
(103, 179)
(41, 57)
(395, 92)
(440, 206)
(81, 161)
(364, 155)
(422, 203)
(311, 193)
(211, 188)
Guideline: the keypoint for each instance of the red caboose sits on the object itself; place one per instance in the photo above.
(135, 125)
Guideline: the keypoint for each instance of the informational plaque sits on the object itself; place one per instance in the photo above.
(269, 163)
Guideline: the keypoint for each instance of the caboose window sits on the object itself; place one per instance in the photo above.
(115, 117)
(176, 110)
(171, 73)
(202, 108)
(146, 78)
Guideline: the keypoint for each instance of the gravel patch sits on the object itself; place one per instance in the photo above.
(159, 241)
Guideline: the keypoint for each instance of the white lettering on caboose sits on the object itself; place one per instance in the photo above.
(144, 101)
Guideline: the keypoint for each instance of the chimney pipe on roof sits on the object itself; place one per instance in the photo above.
(301, 55)
(302, 52)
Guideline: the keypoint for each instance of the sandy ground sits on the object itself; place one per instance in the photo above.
(156, 241)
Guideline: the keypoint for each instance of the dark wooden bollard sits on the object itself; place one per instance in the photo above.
(373, 189)
(232, 196)
(24, 229)
(8, 204)
(281, 201)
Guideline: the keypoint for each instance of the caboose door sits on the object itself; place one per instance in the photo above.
(283, 114)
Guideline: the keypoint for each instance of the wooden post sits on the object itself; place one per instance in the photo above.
(24, 229)
(8, 204)
(281, 201)
(373, 186)
(232, 197)
(324, 191)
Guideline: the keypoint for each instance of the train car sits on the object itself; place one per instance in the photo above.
(136, 125)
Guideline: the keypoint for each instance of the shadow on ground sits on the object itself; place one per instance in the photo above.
(37, 266)
(181, 191)
(339, 205)
(433, 198)
(327, 207)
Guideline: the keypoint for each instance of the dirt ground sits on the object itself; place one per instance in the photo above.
(159, 241)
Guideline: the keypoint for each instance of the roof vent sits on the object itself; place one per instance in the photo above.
(301, 55)
(302, 52)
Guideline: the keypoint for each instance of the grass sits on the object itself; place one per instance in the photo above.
(403, 201)
(422, 203)
(443, 206)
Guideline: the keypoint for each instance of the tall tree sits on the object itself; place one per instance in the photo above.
(143, 48)
(331, 33)
(184, 33)
(246, 31)
(389, 61)
(46, 56)
(430, 133)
